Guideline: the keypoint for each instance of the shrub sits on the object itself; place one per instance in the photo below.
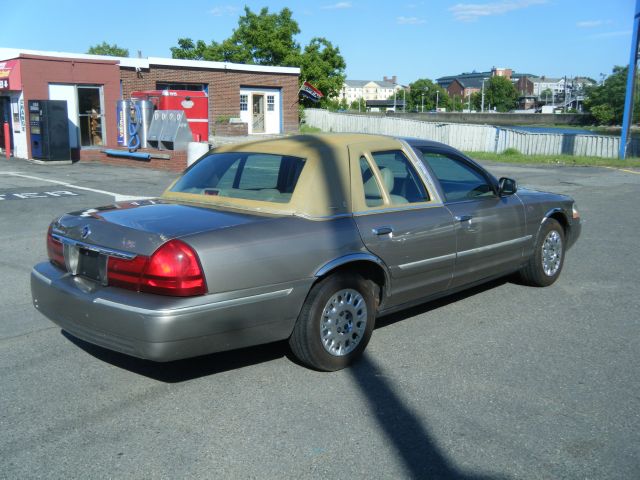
(511, 151)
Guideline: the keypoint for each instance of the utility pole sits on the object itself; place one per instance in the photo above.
(631, 80)
(437, 99)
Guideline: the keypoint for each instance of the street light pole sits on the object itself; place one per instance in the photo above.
(437, 99)
(482, 106)
(394, 98)
(422, 102)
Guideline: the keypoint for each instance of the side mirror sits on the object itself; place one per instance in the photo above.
(507, 186)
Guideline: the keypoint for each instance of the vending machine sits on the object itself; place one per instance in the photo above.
(49, 125)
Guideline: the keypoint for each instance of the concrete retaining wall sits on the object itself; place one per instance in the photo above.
(504, 119)
(472, 138)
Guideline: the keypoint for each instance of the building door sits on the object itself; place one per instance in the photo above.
(5, 117)
(258, 113)
(91, 116)
(261, 110)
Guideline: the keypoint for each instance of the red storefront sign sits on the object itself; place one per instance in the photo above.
(10, 75)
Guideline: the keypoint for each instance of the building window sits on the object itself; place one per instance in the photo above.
(271, 103)
(244, 101)
(194, 87)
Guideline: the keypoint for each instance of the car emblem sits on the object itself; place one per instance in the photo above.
(86, 231)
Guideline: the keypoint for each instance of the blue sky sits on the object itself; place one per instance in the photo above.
(408, 38)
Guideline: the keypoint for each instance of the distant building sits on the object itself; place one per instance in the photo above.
(353, 90)
(385, 105)
(542, 84)
(464, 87)
(464, 84)
(552, 89)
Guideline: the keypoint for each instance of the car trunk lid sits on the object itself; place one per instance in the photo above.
(140, 227)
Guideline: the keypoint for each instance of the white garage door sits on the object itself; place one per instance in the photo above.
(68, 93)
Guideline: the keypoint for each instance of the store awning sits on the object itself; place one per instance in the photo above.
(10, 75)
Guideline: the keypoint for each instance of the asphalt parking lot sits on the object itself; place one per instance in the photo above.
(503, 381)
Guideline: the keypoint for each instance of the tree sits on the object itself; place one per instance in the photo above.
(603, 113)
(424, 94)
(189, 50)
(360, 104)
(606, 101)
(476, 102)
(500, 93)
(261, 39)
(105, 49)
(269, 39)
(546, 95)
(323, 66)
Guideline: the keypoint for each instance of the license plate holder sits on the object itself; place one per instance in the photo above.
(86, 263)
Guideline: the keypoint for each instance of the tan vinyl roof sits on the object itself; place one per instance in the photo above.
(324, 186)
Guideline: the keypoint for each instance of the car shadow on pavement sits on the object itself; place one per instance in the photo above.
(404, 430)
(421, 308)
(191, 368)
(188, 369)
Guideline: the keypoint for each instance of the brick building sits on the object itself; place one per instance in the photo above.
(261, 99)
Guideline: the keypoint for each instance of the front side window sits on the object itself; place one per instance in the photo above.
(400, 178)
(244, 103)
(459, 180)
(271, 103)
(252, 176)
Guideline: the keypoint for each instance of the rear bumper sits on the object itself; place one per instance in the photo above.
(162, 328)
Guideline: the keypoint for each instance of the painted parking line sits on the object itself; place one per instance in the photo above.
(118, 197)
(29, 195)
(635, 172)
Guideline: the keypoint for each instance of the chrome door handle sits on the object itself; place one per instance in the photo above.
(382, 231)
(463, 218)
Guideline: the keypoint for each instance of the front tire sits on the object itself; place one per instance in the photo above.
(546, 263)
(335, 323)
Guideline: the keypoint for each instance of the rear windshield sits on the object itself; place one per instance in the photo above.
(253, 176)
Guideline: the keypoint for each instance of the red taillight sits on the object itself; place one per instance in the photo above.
(126, 273)
(174, 269)
(55, 250)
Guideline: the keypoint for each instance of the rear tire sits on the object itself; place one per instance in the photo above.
(546, 263)
(335, 323)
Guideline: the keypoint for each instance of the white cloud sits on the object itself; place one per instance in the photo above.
(593, 23)
(409, 21)
(470, 12)
(621, 33)
(337, 6)
(223, 10)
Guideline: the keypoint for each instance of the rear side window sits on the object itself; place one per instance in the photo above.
(372, 192)
(252, 176)
(400, 178)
